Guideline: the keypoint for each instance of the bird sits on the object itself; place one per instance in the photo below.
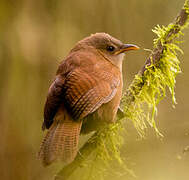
(84, 95)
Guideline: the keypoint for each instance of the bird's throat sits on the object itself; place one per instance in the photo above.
(119, 61)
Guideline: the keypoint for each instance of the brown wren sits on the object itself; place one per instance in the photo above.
(84, 95)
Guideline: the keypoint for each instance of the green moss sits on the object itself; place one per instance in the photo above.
(186, 7)
(155, 81)
(108, 142)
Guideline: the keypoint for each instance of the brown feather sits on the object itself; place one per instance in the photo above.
(61, 140)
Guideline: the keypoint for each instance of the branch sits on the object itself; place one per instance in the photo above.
(129, 97)
(179, 24)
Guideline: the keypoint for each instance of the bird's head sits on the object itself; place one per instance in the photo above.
(109, 47)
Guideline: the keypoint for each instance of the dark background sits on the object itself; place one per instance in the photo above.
(36, 34)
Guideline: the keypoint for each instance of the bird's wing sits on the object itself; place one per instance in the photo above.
(87, 91)
(53, 101)
(82, 93)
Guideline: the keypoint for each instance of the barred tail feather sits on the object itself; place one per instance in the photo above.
(60, 142)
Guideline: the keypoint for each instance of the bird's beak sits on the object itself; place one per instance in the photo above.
(127, 47)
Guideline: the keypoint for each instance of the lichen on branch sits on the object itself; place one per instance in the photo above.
(148, 88)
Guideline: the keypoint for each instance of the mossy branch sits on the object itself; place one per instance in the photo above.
(148, 87)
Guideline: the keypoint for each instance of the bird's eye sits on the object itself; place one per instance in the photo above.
(110, 48)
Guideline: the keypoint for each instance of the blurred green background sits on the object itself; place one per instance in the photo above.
(35, 35)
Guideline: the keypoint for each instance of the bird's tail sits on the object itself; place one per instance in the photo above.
(60, 142)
